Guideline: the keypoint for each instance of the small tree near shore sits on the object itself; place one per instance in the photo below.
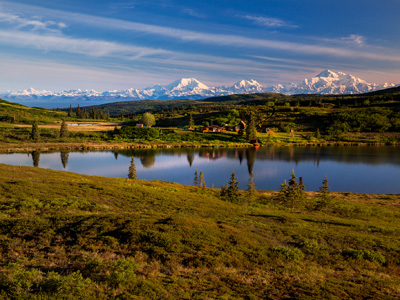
(230, 192)
(324, 197)
(35, 135)
(63, 129)
(132, 170)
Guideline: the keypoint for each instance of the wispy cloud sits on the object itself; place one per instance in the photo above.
(355, 39)
(34, 24)
(268, 22)
(75, 45)
(193, 13)
(329, 48)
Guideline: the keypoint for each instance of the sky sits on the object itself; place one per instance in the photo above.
(114, 45)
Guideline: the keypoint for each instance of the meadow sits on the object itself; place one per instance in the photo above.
(90, 237)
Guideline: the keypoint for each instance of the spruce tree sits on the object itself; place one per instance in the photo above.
(233, 189)
(70, 111)
(35, 135)
(191, 122)
(324, 194)
(292, 193)
(251, 131)
(132, 170)
(78, 112)
(63, 129)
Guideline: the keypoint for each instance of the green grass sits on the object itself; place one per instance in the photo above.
(87, 237)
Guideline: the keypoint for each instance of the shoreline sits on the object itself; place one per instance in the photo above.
(93, 146)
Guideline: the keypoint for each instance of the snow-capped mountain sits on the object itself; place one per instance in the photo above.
(326, 82)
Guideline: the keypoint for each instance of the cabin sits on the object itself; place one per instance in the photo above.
(268, 130)
(213, 129)
(139, 125)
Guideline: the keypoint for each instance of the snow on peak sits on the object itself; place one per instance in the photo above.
(326, 82)
(186, 84)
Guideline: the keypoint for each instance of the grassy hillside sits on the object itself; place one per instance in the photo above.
(16, 113)
(88, 237)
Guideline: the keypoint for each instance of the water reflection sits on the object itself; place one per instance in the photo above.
(35, 158)
(356, 169)
(64, 158)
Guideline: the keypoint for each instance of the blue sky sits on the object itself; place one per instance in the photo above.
(113, 45)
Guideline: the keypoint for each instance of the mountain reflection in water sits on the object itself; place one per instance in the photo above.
(368, 169)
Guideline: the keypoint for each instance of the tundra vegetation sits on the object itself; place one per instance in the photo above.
(90, 237)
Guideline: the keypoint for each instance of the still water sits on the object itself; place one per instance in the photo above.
(368, 169)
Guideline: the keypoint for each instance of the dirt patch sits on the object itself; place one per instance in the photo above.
(79, 126)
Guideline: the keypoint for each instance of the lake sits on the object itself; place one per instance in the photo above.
(364, 169)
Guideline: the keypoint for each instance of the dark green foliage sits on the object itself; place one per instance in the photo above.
(324, 194)
(373, 256)
(251, 188)
(230, 192)
(292, 193)
(63, 129)
(191, 121)
(139, 133)
(132, 170)
(251, 131)
(35, 135)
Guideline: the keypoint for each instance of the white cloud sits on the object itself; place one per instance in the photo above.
(329, 49)
(75, 45)
(268, 22)
(34, 24)
(355, 39)
(193, 13)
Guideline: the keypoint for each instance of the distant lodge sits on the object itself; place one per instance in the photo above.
(237, 128)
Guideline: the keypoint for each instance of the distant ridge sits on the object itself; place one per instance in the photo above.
(326, 82)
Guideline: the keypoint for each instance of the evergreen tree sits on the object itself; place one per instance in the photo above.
(132, 170)
(224, 192)
(318, 134)
(78, 112)
(251, 131)
(191, 122)
(232, 193)
(293, 192)
(196, 179)
(35, 135)
(63, 129)
(70, 111)
(324, 194)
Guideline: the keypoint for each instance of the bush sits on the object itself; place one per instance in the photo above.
(293, 254)
(373, 256)
(139, 133)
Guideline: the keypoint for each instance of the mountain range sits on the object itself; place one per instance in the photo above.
(326, 82)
